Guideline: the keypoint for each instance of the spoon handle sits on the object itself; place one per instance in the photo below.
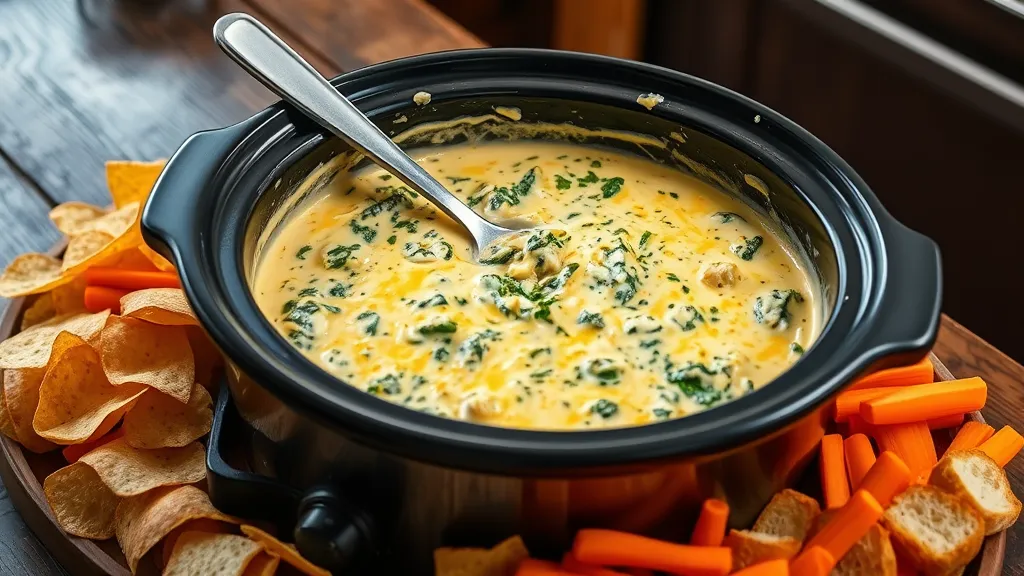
(268, 59)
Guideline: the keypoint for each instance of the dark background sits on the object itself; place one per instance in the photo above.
(942, 158)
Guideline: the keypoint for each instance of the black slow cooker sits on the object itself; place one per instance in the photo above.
(373, 483)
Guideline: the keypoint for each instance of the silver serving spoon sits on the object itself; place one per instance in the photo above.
(268, 59)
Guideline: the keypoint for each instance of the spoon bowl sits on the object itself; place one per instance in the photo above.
(270, 60)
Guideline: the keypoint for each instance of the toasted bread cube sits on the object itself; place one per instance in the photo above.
(749, 548)
(872, 555)
(789, 514)
(937, 531)
(976, 477)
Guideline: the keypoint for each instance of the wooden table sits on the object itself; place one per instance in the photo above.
(85, 81)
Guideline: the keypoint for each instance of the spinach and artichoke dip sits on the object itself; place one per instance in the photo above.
(646, 296)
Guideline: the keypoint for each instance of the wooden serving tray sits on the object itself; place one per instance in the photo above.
(23, 473)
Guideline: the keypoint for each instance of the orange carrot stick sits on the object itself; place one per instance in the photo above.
(920, 403)
(946, 422)
(98, 299)
(860, 457)
(534, 567)
(848, 403)
(970, 436)
(613, 548)
(130, 279)
(923, 372)
(815, 561)
(73, 452)
(911, 442)
(570, 563)
(710, 528)
(769, 568)
(848, 525)
(834, 483)
(1003, 445)
(887, 478)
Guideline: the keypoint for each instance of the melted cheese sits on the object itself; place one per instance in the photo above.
(647, 296)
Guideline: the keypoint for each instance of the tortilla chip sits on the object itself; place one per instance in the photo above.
(206, 356)
(30, 274)
(142, 521)
(200, 525)
(21, 396)
(40, 310)
(130, 471)
(81, 503)
(69, 298)
(76, 402)
(502, 560)
(84, 246)
(264, 564)
(138, 352)
(205, 553)
(73, 218)
(159, 421)
(165, 306)
(159, 261)
(132, 181)
(287, 552)
(31, 348)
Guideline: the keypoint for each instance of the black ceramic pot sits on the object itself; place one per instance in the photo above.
(406, 482)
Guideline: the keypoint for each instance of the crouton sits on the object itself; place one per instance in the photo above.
(977, 478)
(749, 548)
(789, 514)
(872, 555)
(937, 531)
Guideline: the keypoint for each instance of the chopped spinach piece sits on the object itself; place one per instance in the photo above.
(311, 291)
(796, 348)
(611, 187)
(435, 300)
(592, 318)
(339, 290)
(645, 238)
(372, 322)
(747, 250)
(331, 309)
(773, 308)
(538, 351)
(389, 385)
(337, 256)
(661, 413)
(696, 381)
(443, 326)
(726, 217)
(473, 348)
(523, 187)
(673, 278)
(590, 178)
(392, 239)
(301, 254)
(366, 232)
(595, 164)
(605, 408)
(457, 179)
(441, 354)
(562, 183)
(687, 318)
(397, 199)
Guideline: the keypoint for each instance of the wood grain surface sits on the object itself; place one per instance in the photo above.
(85, 81)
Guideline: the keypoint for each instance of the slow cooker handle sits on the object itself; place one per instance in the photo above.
(169, 216)
(906, 323)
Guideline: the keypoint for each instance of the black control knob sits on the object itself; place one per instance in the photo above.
(333, 533)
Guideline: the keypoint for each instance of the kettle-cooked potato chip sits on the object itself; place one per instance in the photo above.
(200, 525)
(205, 553)
(131, 181)
(76, 402)
(73, 218)
(286, 552)
(81, 502)
(130, 471)
(6, 424)
(41, 310)
(31, 348)
(135, 351)
(165, 306)
(159, 421)
(21, 396)
(207, 356)
(501, 560)
(83, 247)
(142, 521)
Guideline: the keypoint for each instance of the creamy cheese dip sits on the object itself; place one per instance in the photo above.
(648, 295)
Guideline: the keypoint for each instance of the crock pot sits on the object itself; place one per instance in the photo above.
(413, 481)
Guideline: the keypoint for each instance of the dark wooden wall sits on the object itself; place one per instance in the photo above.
(938, 164)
